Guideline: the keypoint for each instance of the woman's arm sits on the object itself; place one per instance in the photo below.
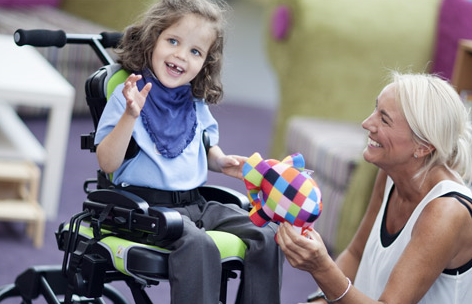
(438, 241)
(348, 261)
(441, 238)
(311, 254)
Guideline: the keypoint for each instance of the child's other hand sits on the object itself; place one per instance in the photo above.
(135, 99)
(232, 165)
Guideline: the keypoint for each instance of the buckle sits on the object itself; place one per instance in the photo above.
(176, 197)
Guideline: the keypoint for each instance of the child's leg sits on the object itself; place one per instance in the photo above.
(263, 263)
(194, 267)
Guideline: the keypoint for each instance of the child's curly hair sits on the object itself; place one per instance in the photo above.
(136, 47)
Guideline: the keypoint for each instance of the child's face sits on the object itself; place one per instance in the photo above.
(181, 50)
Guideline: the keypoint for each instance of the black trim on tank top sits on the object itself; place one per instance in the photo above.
(460, 197)
(386, 238)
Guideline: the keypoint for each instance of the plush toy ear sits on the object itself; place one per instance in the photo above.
(295, 160)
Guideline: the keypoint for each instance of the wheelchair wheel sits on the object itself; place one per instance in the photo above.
(10, 294)
(9, 291)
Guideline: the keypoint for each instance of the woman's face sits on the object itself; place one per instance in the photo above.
(181, 50)
(390, 143)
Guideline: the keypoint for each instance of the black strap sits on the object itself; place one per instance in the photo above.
(460, 197)
(165, 198)
(103, 182)
(132, 149)
(206, 141)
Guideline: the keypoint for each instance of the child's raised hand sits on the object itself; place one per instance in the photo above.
(135, 99)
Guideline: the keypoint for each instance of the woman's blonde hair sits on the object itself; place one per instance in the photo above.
(437, 117)
(136, 47)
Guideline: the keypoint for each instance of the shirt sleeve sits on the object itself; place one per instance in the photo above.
(112, 113)
(208, 122)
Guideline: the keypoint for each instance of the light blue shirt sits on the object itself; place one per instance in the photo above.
(150, 169)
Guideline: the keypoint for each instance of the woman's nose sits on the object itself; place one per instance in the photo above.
(368, 123)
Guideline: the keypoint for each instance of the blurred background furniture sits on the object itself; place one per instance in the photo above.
(28, 79)
(74, 62)
(332, 59)
(19, 185)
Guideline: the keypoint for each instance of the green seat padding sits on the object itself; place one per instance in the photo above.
(231, 247)
(115, 79)
(118, 247)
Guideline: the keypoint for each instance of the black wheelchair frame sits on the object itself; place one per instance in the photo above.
(87, 267)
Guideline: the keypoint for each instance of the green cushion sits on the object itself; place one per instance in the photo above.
(119, 247)
(230, 246)
(116, 79)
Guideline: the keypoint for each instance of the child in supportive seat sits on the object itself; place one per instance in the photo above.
(175, 56)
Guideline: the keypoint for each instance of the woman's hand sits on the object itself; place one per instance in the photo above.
(135, 99)
(306, 253)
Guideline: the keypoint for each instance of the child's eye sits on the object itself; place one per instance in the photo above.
(195, 52)
(172, 41)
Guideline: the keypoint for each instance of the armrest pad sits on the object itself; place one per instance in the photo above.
(224, 195)
(128, 214)
(119, 198)
(170, 222)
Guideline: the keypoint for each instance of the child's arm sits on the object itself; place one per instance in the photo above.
(231, 165)
(112, 149)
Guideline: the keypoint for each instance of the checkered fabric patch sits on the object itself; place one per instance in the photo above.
(281, 191)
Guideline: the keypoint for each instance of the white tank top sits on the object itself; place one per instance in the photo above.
(378, 261)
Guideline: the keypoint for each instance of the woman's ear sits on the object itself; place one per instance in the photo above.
(423, 150)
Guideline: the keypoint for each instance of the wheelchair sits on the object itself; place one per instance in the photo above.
(114, 237)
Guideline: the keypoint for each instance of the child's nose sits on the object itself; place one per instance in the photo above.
(181, 54)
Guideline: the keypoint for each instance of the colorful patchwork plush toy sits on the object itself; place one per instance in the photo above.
(282, 191)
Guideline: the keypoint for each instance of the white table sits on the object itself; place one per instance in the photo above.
(26, 78)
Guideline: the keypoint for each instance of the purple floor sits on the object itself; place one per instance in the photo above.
(243, 130)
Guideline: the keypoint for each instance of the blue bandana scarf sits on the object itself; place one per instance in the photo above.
(168, 115)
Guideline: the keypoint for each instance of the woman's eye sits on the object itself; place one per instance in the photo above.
(172, 41)
(195, 52)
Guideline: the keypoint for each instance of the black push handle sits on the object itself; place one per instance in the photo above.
(48, 38)
(41, 38)
(111, 39)
(45, 38)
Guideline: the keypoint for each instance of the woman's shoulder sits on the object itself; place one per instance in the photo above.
(445, 209)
